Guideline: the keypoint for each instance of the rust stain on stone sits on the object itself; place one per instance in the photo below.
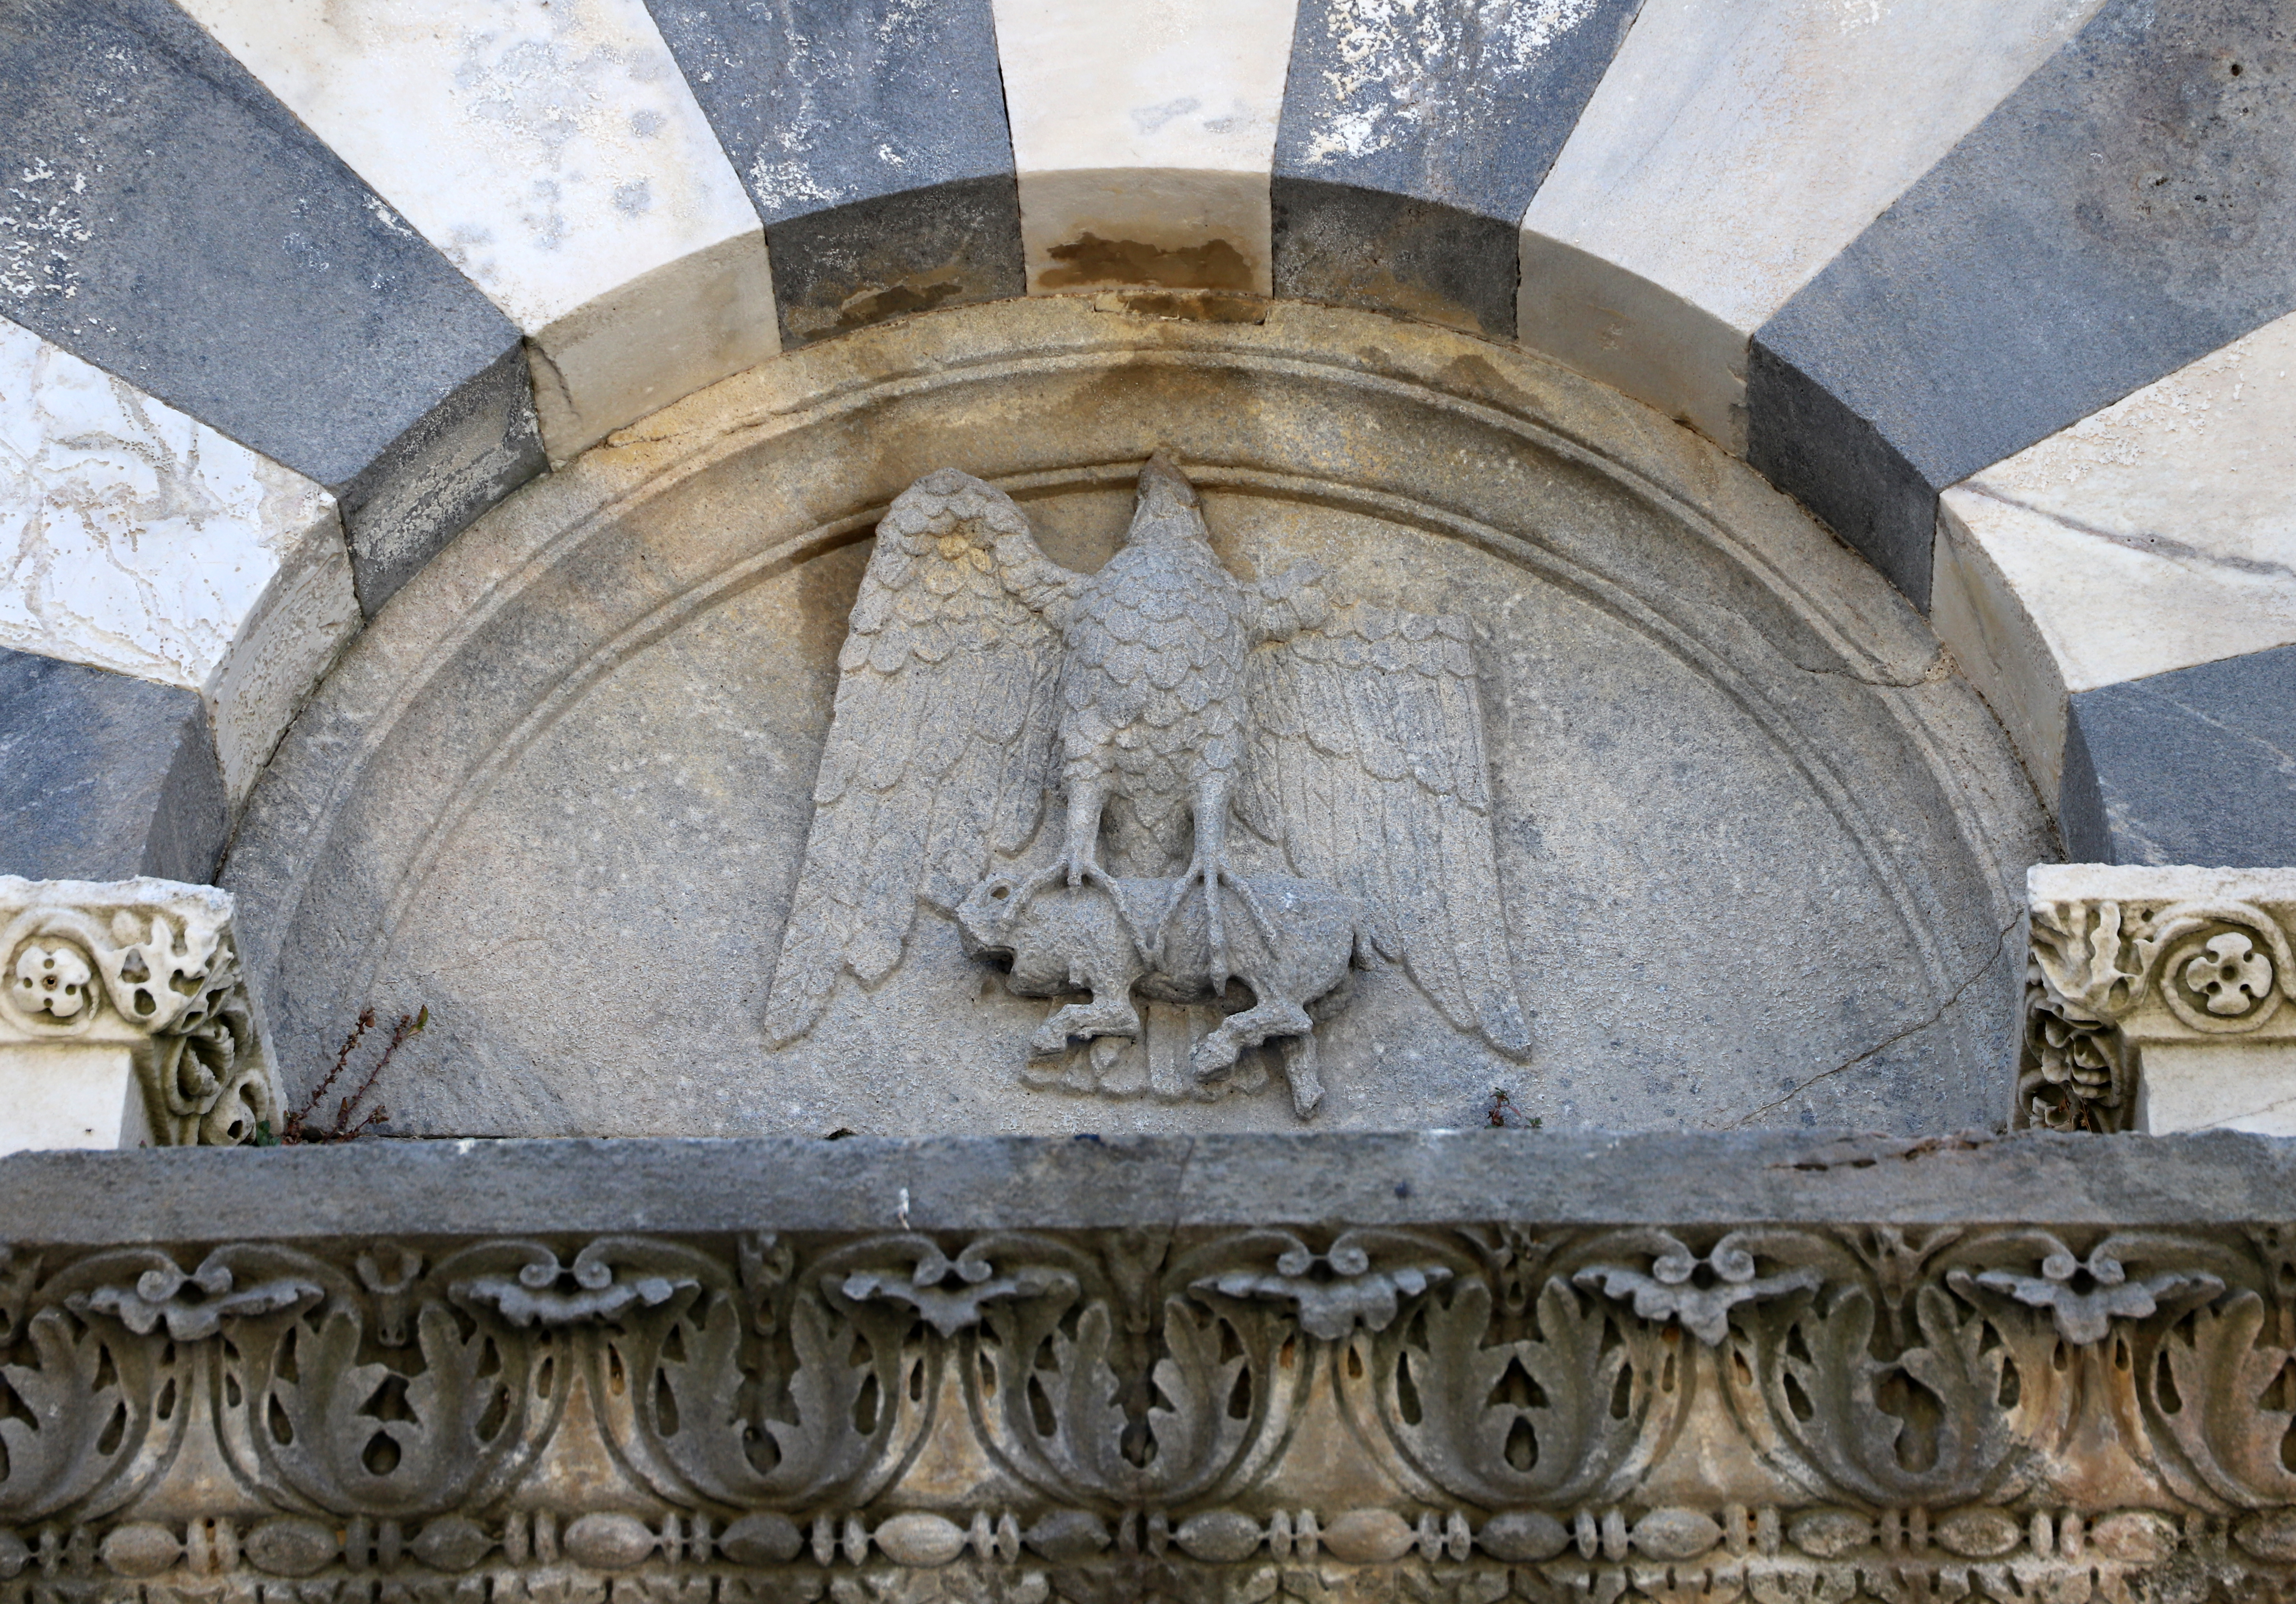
(1186, 306)
(1088, 260)
(873, 303)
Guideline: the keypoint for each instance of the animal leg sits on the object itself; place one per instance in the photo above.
(1108, 1014)
(1271, 1016)
(1299, 1055)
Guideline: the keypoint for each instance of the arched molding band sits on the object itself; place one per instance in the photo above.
(307, 276)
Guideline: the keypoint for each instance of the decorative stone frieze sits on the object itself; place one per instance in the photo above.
(2154, 999)
(124, 1019)
(1396, 1404)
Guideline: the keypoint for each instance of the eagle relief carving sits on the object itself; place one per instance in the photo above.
(1154, 784)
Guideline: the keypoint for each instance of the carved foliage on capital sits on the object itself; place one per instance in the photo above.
(151, 964)
(2105, 973)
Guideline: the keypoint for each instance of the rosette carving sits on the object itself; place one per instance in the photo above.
(2143, 957)
(149, 965)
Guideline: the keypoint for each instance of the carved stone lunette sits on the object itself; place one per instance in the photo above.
(1475, 1409)
(147, 966)
(2182, 964)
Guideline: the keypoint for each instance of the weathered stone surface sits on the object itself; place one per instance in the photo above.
(845, 266)
(608, 761)
(1202, 1353)
(102, 776)
(2188, 768)
(2150, 537)
(1459, 109)
(2132, 189)
(173, 225)
(148, 543)
(555, 155)
(1423, 258)
(872, 139)
(1143, 140)
(475, 447)
(1731, 151)
(2154, 999)
(124, 1019)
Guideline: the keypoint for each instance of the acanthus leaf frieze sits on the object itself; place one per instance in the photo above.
(1488, 1410)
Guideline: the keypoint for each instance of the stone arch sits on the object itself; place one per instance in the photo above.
(560, 789)
(322, 347)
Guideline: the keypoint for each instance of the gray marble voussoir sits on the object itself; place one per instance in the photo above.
(2187, 767)
(843, 267)
(1356, 247)
(2123, 213)
(173, 223)
(1464, 107)
(872, 140)
(103, 776)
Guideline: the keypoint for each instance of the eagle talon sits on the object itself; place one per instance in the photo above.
(1209, 875)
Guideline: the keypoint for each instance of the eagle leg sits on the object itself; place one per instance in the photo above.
(1209, 867)
(1078, 863)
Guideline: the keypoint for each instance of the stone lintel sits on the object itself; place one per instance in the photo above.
(1460, 1365)
(2154, 999)
(588, 1185)
(124, 1020)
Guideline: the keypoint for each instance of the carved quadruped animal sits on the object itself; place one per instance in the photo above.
(1198, 729)
(1085, 938)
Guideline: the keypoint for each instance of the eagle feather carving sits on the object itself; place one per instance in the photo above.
(1237, 765)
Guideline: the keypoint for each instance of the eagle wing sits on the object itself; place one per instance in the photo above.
(1368, 769)
(939, 749)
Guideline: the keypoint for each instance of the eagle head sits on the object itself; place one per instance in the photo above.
(1168, 507)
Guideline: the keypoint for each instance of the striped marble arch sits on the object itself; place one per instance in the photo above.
(2003, 291)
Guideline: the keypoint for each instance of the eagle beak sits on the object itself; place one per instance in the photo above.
(1165, 495)
(1161, 481)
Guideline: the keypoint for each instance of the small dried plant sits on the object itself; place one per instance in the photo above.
(301, 1127)
(1503, 1114)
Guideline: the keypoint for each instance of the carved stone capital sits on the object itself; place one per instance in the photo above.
(124, 1018)
(2155, 999)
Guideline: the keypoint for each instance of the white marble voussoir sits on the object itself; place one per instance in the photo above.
(2157, 534)
(1730, 153)
(1143, 140)
(137, 539)
(556, 156)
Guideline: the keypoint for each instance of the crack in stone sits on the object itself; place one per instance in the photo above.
(2149, 545)
(1943, 1008)
(1940, 669)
